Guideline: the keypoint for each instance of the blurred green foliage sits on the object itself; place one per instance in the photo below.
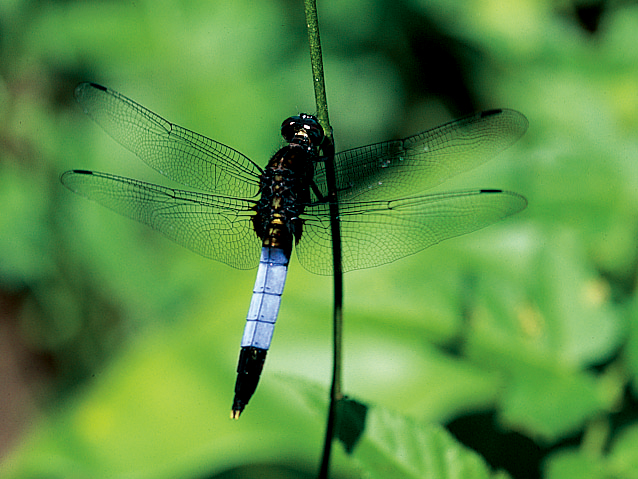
(118, 348)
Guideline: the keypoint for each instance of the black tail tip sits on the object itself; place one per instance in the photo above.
(238, 408)
(234, 414)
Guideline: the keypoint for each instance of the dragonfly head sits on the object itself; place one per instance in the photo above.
(303, 130)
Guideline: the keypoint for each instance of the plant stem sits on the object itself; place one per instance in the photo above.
(316, 60)
(328, 151)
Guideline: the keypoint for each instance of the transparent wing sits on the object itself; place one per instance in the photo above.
(379, 232)
(217, 227)
(178, 153)
(395, 169)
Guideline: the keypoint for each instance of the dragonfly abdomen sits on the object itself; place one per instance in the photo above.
(260, 324)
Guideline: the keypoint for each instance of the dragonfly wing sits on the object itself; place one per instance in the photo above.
(394, 169)
(217, 227)
(178, 153)
(379, 232)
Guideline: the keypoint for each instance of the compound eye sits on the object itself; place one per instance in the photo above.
(308, 124)
(290, 127)
(313, 129)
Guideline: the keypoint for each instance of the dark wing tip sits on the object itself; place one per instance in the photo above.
(83, 87)
(517, 201)
(496, 111)
(89, 84)
(99, 87)
(514, 120)
(503, 111)
(64, 177)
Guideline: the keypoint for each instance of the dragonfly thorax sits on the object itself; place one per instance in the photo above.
(285, 190)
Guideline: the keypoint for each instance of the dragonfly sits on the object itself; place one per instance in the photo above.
(248, 216)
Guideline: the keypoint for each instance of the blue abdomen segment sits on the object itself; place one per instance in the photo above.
(264, 306)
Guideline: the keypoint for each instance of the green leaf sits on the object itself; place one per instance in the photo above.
(623, 457)
(575, 464)
(394, 446)
(583, 463)
(351, 422)
(542, 335)
(390, 445)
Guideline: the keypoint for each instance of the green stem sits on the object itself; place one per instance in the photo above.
(316, 60)
(328, 151)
